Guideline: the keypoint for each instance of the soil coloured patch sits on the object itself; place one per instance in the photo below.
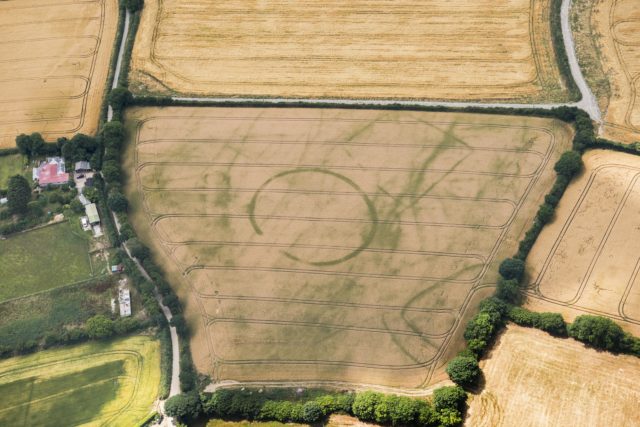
(587, 260)
(534, 379)
(333, 245)
(54, 59)
(608, 32)
(436, 49)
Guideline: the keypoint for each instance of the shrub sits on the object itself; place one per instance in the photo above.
(311, 412)
(569, 164)
(133, 5)
(545, 213)
(19, 195)
(183, 406)
(464, 370)
(119, 97)
(111, 171)
(509, 291)
(453, 397)
(512, 268)
(364, 405)
(117, 202)
(598, 332)
(522, 317)
(552, 323)
(100, 327)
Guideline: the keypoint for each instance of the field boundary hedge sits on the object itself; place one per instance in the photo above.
(562, 59)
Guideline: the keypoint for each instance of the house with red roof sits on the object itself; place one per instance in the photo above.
(51, 172)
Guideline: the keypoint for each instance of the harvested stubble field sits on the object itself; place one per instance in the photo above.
(435, 49)
(54, 59)
(333, 245)
(535, 380)
(97, 384)
(587, 260)
(608, 45)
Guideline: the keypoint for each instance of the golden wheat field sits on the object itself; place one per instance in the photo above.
(333, 245)
(586, 261)
(608, 45)
(536, 380)
(435, 49)
(54, 59)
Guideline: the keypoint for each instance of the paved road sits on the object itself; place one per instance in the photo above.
(587, 103)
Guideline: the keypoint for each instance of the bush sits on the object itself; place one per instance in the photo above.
(512, 268)
(133, 5)
(111, 171)
(464, 370)
(183, 406)
(364, 405)
(119, 97)
(552, 323)
(117, 202)
(509, 291)
(545, 213)
(453, 397)
(311, 412)
(598, 332)
(19, 195)
(569, 164)
(100, 327)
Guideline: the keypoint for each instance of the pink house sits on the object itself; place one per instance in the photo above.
(51, 172)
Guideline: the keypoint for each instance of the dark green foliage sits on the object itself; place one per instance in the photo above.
(100, 327)
(80, 147)
(113, 135)
(453, 397)
(464, 371)
(598, 332)
(183, 406)
(545, 213)
(19, 195)
(311, 412)
(133, 5)
(117, 202)
(180, 324)
(76, 206)
(31, 145)
(560, 52)
(111, 171)
(332, 403)
(119, 97)
(552, 323)
(509, 291)
(483, 326)
(364, 405)
(512, 268)
(569, 164)
(188, 374)
(138, 250)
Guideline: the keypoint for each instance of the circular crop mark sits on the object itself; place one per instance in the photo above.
(289, 199)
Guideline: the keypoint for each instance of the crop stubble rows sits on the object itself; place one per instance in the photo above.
(333, 245)
(53, 60)
(587, 260)
(437, 49)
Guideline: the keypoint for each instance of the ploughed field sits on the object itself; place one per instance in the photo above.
(587, 260)
(54, 59)
(534, 379)
(112, 384)
(334, 245)
(608, 45)
(437, 49)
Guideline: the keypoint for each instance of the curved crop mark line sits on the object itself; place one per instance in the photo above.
(627, 291)
(366, 239)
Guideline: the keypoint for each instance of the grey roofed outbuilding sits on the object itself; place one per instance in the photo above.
(82, 166)
(92, 213)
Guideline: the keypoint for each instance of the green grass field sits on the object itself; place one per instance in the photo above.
(9, 166)
(42, 259)
(112, 384)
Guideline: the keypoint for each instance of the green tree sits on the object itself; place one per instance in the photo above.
(76, 206)
(464, 370)
(311, 412)
(449, 417)
(509, 291)
(512, 268)
(18, 195)
(452, 397)
(117, 202)
(113, 135)
(118, 98)
(552, 323)
(133, 5)
(597, 331)
(569, 164)
(364, 405)
(100, 327)
(183, 406)
(545, 213)
(111, 171)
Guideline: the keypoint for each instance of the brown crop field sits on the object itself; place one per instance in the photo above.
(334, 245)
(54, 59)
(406, 49)
(588, 259)
(608, 45)
(534, 379)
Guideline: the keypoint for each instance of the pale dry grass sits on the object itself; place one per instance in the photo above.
(536, 380)
(586, 260)
(54, 60)
(333, 245)
(435, 49)
(611, 36)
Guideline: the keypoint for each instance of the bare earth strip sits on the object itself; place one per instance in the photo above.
(54, 59)
(587, 260)
(608, 48)
(443, 50)
(333, 245)
(534, 379)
